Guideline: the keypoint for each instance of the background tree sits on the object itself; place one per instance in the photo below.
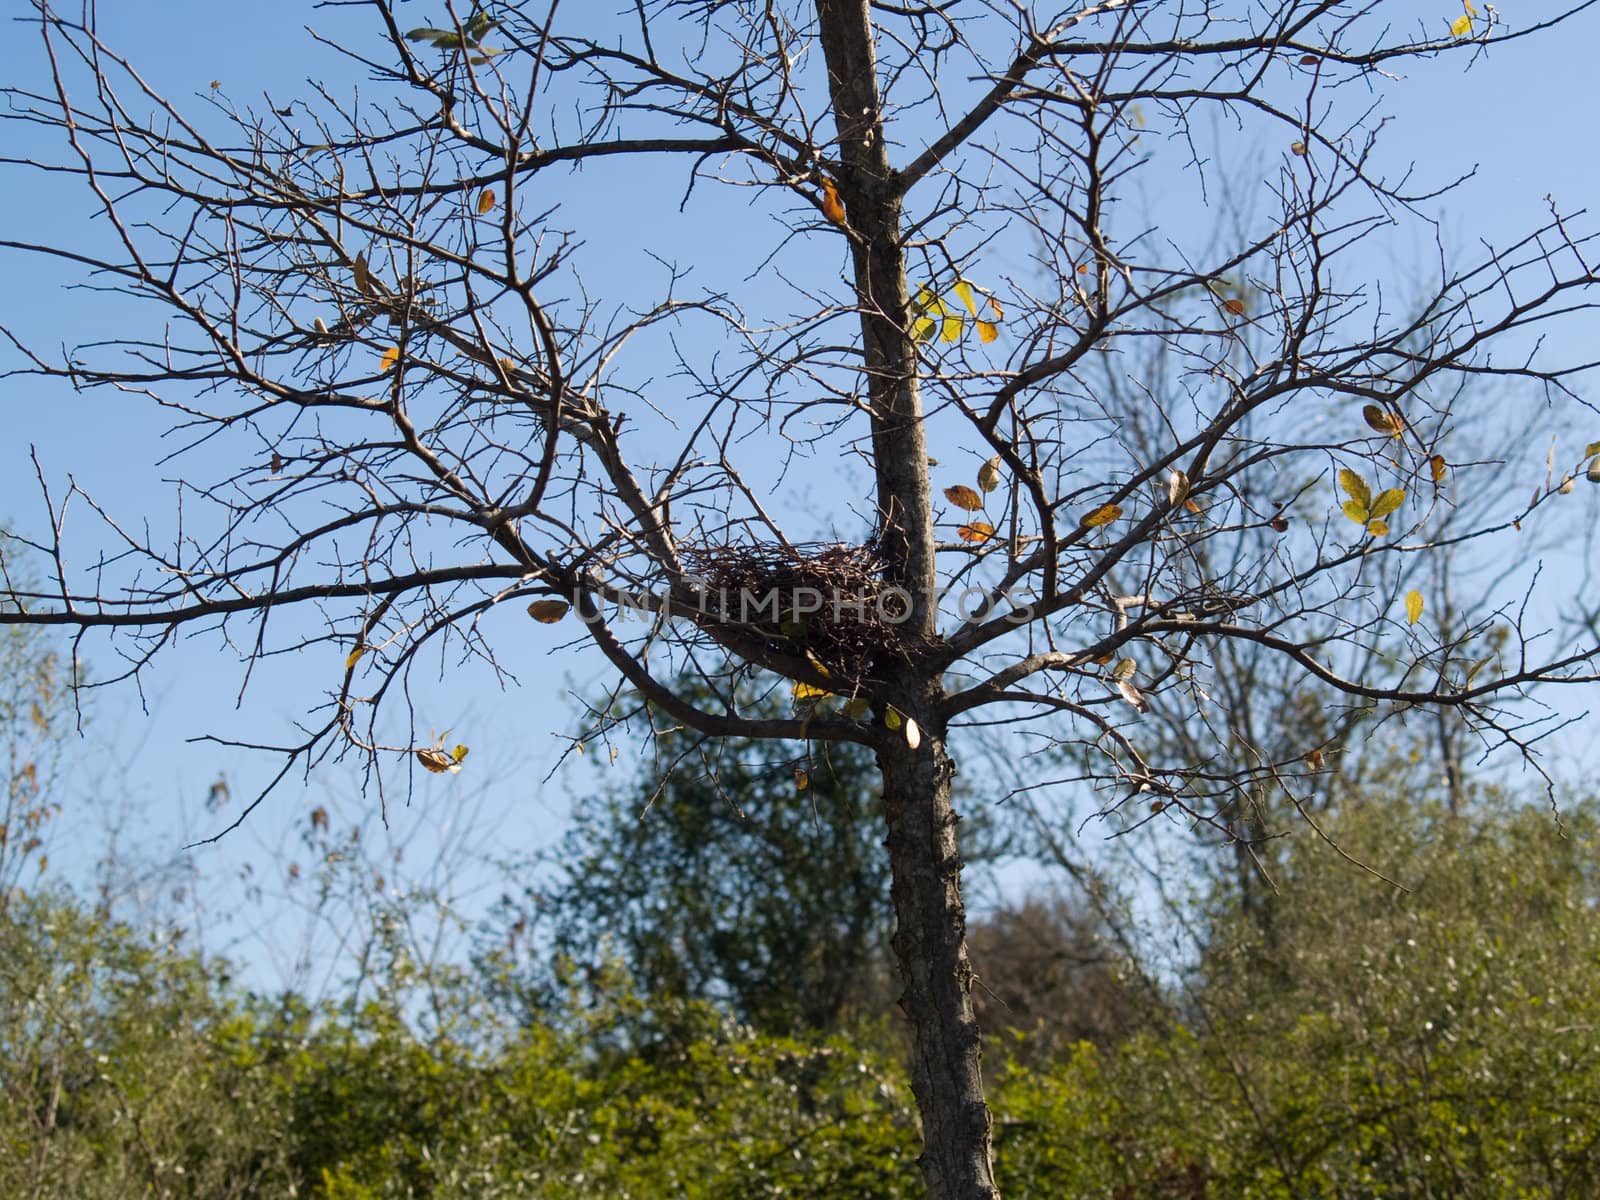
(413, 404)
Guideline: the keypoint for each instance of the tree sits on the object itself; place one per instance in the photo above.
(407, 411)
(730, 880)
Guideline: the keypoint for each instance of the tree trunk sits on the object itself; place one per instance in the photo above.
(930, 944)
(924, 857)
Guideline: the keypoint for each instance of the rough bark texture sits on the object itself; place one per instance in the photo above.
(930, 944)
(924, 855)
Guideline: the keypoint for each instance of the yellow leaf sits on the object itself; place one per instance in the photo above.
(387, 362)
(1103, 515)
(1386, 503)
(987, 331)
(893, 718)
(1467, 4)
(963, 291)
(922, 329)
(977, 531)
(548, 612)
(994, 307)
(1591, 449)
(1413, 607)
(1126, 668)
(989, 474)
(832, 206)
(355, 656)
(1461, 26)
(1355, 510)
(1378, 528)
(1438, 466)
(802, 779)
(1356, 486)
(459, 753)
(485, 200)
(807, 691)
(951, 331)
(963, 498)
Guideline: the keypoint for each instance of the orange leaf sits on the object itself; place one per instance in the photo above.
(1438, 466)
(832, 206)
(548, 612)
(978, 531)
(1235, 306)
(485, 200)
(963, 498)
(390, 357)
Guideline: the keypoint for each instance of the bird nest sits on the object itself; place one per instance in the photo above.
(826, 602)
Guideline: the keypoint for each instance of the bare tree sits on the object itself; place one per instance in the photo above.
(403, 408)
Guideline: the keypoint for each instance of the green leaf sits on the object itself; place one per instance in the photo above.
(1355, 510)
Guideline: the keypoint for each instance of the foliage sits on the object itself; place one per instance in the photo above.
(1436, 1043)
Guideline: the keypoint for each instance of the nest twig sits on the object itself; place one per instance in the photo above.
(823, 601)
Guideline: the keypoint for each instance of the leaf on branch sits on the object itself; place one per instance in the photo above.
(548, 612)
(387, 362)
(459, 753)
(354, 656)
(989, 474)
(1298, 149)
(809, 691)
(1461, 26)
(976, 532)
(1378, 528)
(319, 819)
(963, 291)
(893, 717)
(802, 779)
(1413, 607)
(1103, 515)
(857, 707)
(1133, 695)
(1177, 488)
(987, 331)
(963, 498)
(437, 761)
(1381, 421)
(1438, 467)
(1387, 502)
(1236, 306)
(1356, 486)
(1591, 449)
(363, 275)
(485, 201)
(913, 734)
(832, 206)
(1126, 668)
(1279, 524)
(1593, 473)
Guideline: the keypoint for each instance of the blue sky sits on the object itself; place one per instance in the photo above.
(1520, 119)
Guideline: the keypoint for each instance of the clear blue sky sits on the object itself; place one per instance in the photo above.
(1522, 118)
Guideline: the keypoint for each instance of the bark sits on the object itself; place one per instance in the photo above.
(924, 853)
(930, 945)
